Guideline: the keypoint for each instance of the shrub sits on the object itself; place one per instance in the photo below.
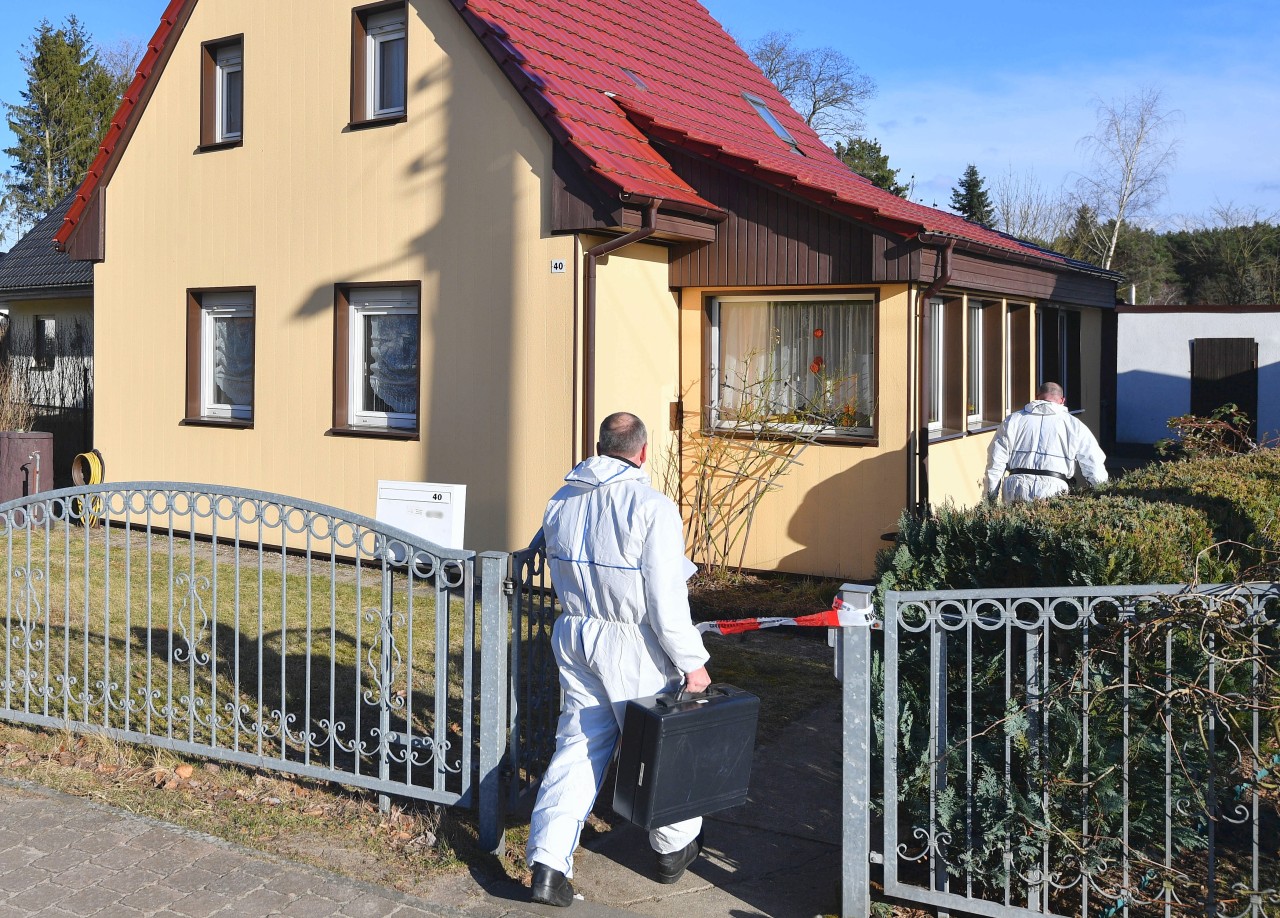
(1204, 519)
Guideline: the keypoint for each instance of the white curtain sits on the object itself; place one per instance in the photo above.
(392, 358)
(798, 360)
(233, 360)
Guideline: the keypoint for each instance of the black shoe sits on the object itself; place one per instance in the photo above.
(551, 887)
(671, 866)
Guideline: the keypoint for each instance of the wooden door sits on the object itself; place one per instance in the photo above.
(1224, 370)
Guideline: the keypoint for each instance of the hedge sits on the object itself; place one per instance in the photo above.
(1199, 519)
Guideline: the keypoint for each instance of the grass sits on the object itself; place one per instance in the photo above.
(191, 664)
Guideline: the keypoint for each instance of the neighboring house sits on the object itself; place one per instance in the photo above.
(46, 305)
(1175, 360)
(434, 240)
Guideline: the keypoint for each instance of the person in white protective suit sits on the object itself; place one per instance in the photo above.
(615, 548)
(1036, 451)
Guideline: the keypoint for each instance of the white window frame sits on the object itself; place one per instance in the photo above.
(976, 366)
(229, 60)
(214, 306)
(714, 369)
(376, 301)
(380, 28)
(937, 364)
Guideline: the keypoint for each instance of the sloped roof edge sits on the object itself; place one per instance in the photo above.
(127, 114)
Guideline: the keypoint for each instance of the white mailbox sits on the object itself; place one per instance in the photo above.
(435, 512)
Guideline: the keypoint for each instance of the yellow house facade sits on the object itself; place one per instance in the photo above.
(427, 241)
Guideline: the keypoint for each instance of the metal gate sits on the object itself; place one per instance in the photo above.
(259, 629)
(534, 704)
(1092, 751)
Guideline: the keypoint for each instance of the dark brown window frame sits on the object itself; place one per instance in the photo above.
(707, 385)
(991, 409)
(342, 426)
(360, 117)
(43, 355)
(1018, 317)
(209, 95)
(193, 415)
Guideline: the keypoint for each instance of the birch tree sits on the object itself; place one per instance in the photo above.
(1131, 152)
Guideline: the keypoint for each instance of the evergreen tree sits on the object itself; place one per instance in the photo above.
(65, 110)
(970, 198)
(867, 159)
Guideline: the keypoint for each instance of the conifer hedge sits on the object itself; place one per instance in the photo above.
(1197, 519)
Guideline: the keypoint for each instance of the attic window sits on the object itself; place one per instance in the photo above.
(631, 75)
(772, 120)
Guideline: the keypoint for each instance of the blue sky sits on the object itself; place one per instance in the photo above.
(995, 84)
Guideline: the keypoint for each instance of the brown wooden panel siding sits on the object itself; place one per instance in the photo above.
(773, 239)
(89, 240)
(576, 206)
(972, 272)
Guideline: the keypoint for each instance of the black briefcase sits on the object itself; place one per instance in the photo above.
(685, 755)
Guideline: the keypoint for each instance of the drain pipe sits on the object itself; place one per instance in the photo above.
(924, 383)
(646, 230)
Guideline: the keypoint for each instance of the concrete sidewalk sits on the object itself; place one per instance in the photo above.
(777, 856)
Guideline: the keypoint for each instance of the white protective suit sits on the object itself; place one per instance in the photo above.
(1043, 436)
(615, 546)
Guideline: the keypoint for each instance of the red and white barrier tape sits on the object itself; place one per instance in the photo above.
(842, 614)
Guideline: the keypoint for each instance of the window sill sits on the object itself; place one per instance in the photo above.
(220, 145)
(365, 123)
(373, 433)
(231, 423)
(946, 433)
(983, 427)
(869, 439)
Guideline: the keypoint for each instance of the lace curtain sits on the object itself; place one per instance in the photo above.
(233, 361)
(391, 354)
(798, 361)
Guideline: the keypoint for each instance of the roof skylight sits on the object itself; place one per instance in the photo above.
(634, 78)
(772, 120)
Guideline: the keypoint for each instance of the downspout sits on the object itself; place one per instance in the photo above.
(924, 383)
(589, 320)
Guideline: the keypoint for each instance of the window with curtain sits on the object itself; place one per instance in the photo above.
(803, 361)
(227, 360)
(384, 339)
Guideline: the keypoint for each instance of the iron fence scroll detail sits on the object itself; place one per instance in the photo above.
(252, 628)
(1095, 751)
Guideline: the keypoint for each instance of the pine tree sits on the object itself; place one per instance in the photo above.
(970, 198)
(867, 159)
(65, 110)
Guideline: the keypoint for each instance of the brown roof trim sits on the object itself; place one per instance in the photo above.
(126, 118)
(1125, 308)
(1052, 261)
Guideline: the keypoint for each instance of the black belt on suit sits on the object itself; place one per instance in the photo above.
(1044, 472)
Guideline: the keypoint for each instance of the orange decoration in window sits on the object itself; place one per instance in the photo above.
(817, 365)
(817, 333)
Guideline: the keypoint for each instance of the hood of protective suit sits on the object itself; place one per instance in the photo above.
(1043, 407)
(602, 470)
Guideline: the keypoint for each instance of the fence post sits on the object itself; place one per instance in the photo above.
(854, 659)
(494, 635)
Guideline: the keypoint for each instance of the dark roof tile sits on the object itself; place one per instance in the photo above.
(34, 264)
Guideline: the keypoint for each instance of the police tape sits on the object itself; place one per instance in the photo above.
(842, 614)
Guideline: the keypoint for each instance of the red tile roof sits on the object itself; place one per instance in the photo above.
(121, 121)
(566, 57)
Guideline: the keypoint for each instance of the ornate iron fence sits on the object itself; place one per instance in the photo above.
(262, 630)
(535, 681)
(1103, 751)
